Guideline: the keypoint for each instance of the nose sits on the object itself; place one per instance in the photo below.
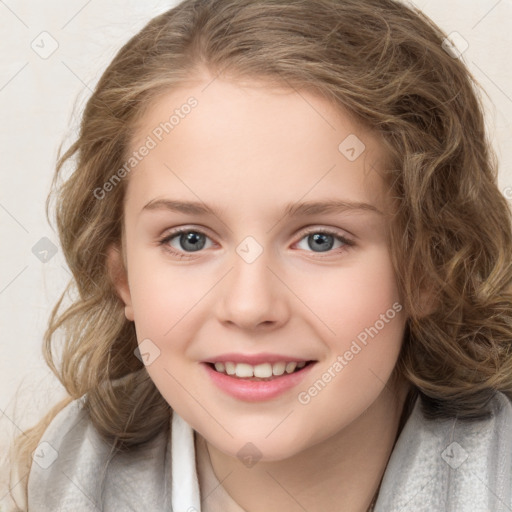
(252, 296)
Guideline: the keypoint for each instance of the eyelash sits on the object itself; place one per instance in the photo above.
(164, 241)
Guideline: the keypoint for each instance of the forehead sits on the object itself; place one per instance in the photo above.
(255, 141)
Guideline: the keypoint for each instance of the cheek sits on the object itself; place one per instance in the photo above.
(350, 299)
(167, 305)
(156, 307)
(361, 308)
(369, 296)
(170, 305)
(161, 294)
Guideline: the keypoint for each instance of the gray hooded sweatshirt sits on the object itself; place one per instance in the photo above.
(436, 466)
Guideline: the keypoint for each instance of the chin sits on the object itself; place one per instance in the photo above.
(264, 450)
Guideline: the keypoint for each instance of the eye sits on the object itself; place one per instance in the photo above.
(185, 240)
(321, 240)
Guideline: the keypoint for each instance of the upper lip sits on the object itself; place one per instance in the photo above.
(254, 359)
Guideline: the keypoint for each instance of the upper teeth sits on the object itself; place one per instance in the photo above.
(260, 370)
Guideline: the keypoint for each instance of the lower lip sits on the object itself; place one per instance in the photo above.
(257, 391)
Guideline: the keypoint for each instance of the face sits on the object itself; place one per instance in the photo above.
(284, 257)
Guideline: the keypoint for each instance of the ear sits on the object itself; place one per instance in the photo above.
(119, 277)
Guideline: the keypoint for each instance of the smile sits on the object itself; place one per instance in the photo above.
(260, 382)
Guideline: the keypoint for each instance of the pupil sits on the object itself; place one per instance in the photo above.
(320, 241)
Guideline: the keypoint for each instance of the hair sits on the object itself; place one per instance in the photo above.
(382, 63)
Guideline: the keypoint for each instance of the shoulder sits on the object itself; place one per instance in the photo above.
(448, 464)
(74, 468)
(66, 442)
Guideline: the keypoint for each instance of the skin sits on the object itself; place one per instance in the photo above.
(248, 149)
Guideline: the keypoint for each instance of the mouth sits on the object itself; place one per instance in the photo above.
(255, 383)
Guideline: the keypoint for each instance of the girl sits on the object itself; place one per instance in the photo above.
(293, 268)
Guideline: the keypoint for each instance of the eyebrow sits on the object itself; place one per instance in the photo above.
(291, 210)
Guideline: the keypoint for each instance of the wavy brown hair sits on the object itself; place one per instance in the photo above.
(377, 60)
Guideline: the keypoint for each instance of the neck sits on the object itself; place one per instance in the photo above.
(341, 473)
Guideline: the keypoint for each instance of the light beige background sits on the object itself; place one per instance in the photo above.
(37, 103)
